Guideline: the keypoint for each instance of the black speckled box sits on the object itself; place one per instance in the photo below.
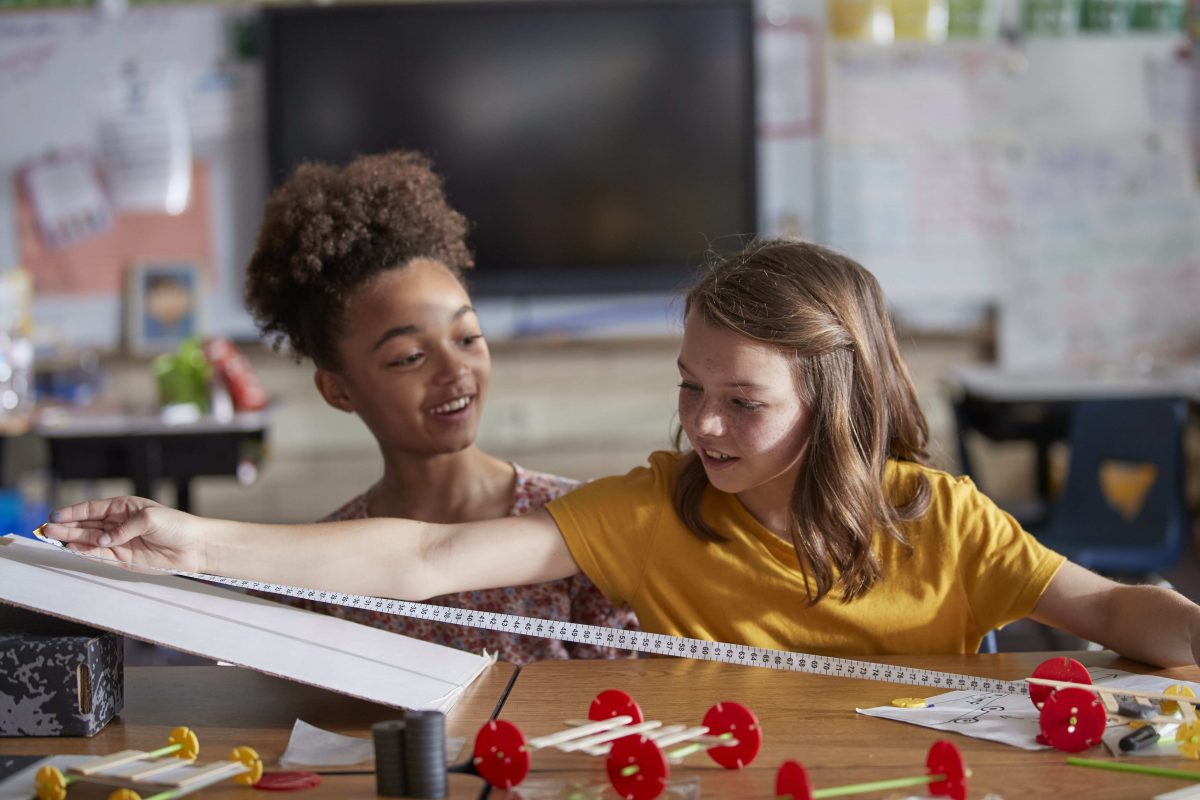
(57, 678)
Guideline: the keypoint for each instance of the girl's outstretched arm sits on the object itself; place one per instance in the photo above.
(387, 557)
(1148, 623)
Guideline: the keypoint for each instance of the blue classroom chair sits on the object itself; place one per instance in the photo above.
(1144, 437)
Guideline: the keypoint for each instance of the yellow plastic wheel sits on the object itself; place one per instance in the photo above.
(1178, 690)
(249, 757)
(1187, 739)
(51, 784)
(189, 744)
(124, 794)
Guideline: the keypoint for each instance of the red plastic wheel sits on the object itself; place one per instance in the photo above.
(736, 719)
(944, 759)
(614, 703)
(1072, 720)
(500, 756)
(637, 768)
(1056, 669)
(792, 782)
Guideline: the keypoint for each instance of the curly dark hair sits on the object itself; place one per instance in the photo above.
(328, 230)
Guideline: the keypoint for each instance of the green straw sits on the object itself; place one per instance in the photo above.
(162, 751)
(875, 786)
(688, 749)
(1116, 766)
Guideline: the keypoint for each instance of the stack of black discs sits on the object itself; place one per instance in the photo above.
(425, 754)
(389, 758)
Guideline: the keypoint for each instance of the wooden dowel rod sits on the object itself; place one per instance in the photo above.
(567, 735)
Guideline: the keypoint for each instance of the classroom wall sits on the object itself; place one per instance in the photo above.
(951, 169)
(62, 69)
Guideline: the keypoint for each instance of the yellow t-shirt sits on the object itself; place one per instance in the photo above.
(972, 569)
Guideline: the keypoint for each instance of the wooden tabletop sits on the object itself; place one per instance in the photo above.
(809, 718)
(812, 719)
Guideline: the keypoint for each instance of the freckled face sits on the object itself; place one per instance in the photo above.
(413, 360)
(739, 408)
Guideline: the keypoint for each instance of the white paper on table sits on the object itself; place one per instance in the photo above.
(311, 746)
(1011, 718)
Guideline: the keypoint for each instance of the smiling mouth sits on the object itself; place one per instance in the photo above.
(453, 406)
(717, 455)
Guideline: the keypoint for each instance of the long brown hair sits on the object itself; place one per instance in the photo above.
(827, 313)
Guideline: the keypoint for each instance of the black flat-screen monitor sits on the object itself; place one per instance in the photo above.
(595, 145)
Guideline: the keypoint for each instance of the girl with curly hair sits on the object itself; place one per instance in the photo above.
(360, 269)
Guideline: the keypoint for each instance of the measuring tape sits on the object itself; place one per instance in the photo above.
(640, 641)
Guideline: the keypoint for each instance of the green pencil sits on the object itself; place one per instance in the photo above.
(1117, 766)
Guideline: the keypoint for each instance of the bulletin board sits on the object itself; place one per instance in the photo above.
(57, 72)
(98, 265)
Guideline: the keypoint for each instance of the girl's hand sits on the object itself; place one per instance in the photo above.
(135, 531)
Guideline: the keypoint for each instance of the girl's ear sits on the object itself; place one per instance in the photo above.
(333, 388)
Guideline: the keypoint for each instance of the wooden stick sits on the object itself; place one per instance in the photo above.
(558, 737)
(107, 762)
(608, 736)
(697, 734)
(1100, 690)
(158, 767)
(222, 768)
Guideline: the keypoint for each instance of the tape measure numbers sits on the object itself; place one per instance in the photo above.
(640, 641)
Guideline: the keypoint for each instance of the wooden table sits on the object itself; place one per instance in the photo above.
(812, 719)
(230, 706)
(809, 718)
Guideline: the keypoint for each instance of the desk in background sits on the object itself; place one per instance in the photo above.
(1035, 407)
(86, 445)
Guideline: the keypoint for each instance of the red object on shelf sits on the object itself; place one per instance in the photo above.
(231, 367)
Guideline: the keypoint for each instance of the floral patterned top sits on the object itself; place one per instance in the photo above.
(575, 599)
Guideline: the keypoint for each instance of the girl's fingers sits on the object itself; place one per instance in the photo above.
(91, 536)
(100, 510)
(87, 523)
(128, 530)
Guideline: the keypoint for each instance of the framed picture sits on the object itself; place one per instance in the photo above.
(163, 305)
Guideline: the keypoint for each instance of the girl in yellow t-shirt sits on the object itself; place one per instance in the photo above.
(802, 517)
